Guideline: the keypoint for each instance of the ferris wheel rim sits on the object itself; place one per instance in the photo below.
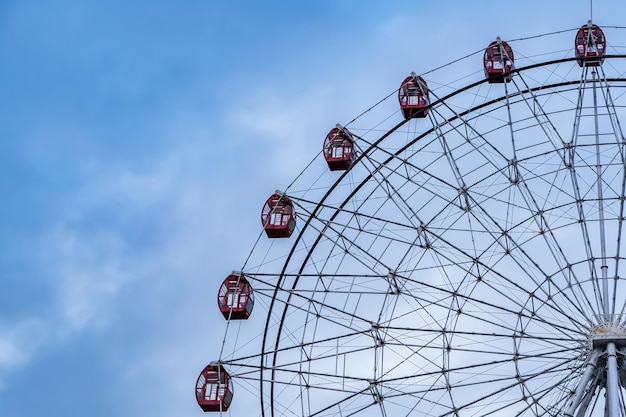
(339, 208)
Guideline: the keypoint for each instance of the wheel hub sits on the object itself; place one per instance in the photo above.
(607, 332)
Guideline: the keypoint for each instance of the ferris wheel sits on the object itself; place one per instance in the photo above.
(455, 251)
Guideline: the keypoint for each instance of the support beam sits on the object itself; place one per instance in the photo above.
(590, 371)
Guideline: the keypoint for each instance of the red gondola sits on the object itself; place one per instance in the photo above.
(235, 297)
(214, 389)
(339, 149)
(590, 42)
(278, 217)
(498, 61)
(413, 97)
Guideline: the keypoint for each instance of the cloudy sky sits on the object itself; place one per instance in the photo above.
(138, 142)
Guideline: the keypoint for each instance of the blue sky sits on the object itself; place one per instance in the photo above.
(138, 142)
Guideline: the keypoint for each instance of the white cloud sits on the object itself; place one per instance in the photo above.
(87, 261)
(88, 273)
(19, 340)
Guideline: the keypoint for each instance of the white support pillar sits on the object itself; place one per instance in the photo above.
(612, 382)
